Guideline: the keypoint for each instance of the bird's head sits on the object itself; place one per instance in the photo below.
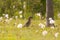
(30, 18)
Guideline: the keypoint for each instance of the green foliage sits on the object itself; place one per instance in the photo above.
(43, 7)
(12, 6)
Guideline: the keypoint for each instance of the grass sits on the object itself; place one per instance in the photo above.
(34, 32)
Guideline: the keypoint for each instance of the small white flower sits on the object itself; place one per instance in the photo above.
(20, 12)
(56, 34)
(21, 16)
(38, 14)
(6, 16)
(44, 33)
(52, 21)
(19, 26)
(50, 18)
(24, 6)
(13, 6)
(41, 25)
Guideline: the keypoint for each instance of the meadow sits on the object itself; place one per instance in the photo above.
(10, 31)
(14, 14)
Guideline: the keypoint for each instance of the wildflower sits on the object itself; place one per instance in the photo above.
(19, 26)
(20, 16)
(44, 33)
(13, 6)
(38, 14)
(56, 34)
(6, 16)
(51, 21)
(41, 25)
(20, 12)
(50, 18)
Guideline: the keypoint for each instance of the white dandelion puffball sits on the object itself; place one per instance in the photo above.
(52, 22)
(21, 16)
(38, 14)
(20, 12)
(19, 26)
(56, 34)
(44, 33)
(50, 18)
(13, 6)
(41, 25)
(6, 16)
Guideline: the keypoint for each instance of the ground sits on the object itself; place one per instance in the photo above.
(9, 31)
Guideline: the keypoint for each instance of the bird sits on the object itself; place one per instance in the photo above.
(27, 24)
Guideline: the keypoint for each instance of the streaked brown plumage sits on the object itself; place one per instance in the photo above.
(27, 24)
